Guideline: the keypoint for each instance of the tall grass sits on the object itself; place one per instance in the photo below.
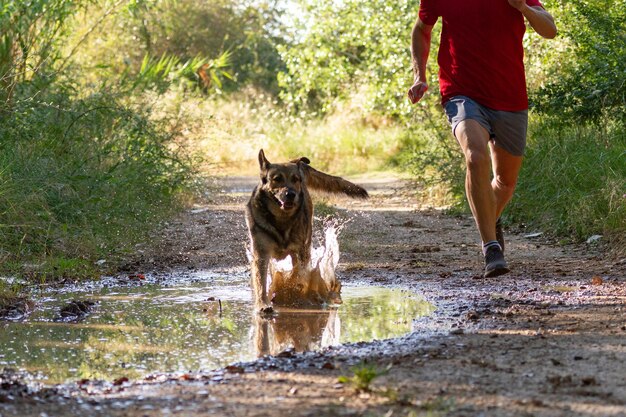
(81, 180)
(230, 131)
(573, 182)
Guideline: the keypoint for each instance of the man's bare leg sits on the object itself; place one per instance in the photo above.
(482, 199)
(506, 169)
(481, 194)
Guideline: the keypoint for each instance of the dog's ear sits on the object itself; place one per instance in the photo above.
(303, 159)
(264, 165)
(304, 167)
(263, 162)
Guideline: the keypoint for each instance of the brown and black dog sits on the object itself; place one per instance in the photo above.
(279, 216)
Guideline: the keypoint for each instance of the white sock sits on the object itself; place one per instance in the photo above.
(490, 244)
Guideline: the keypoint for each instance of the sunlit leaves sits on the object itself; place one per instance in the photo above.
(29, 35)
(588, 83)
(351, 50)
(199, 71)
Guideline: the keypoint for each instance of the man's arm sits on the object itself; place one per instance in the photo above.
(420, 48)
(538, 18)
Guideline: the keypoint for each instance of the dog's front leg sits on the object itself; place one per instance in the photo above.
(259, 285)
(304, 256)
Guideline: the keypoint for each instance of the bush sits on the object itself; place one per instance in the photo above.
(84, 173)
(184, 29)
(351, 51)
(586, 83)
(81, 179)
(572, 182)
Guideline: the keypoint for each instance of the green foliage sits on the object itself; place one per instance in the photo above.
(84, 172)
(81, 179)
(363, 376)
(324, 209)
(573, 181)
(432, 155)
(231, 130)
(30, 34)
(350, 51)
(243, 33)
(8, 296)
(354, 55)
(164, 72)
(587, 82)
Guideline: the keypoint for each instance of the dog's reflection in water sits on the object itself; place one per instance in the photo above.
(300, 329)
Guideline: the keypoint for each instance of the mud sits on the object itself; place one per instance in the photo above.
(548, 339)
(16, 309)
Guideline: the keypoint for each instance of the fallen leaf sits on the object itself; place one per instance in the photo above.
(137, 276)
(120, 381)
(597, 280)
(234, 369)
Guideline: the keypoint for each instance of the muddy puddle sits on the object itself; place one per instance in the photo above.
(133, 331)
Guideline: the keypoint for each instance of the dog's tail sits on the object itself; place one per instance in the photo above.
(317, 180)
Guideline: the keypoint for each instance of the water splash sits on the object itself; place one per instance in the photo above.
(317, 284)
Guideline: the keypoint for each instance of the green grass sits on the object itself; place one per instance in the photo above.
(573, 182)
(8, 295)
(363, 376)
(81, 180)
(229, 132)
(322, 208)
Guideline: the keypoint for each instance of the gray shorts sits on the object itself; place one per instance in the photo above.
(507, 129)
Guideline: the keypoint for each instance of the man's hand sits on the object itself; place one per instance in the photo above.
(518, 4)
(416, 92)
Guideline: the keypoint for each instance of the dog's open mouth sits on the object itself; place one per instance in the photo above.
(284, 205)
(287, 205)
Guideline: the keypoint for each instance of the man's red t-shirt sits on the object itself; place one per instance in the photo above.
(481, 54)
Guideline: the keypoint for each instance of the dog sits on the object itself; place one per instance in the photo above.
(279, 216)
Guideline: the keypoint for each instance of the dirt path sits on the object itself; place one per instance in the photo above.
(549, 339)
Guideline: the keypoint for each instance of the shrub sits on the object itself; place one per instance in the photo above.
(587, 82)
(572, 182)
(81, 179)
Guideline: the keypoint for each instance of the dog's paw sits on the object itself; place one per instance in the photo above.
(267, 312)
